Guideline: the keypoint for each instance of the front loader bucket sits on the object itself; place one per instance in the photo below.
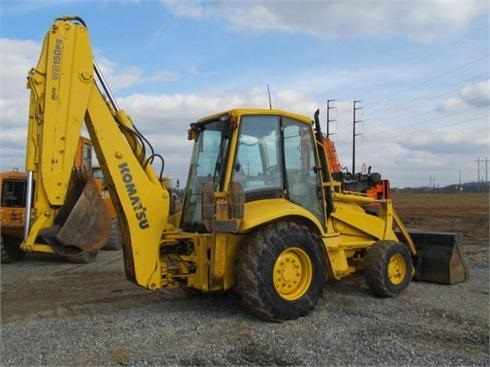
(83, 223)
(439, 257)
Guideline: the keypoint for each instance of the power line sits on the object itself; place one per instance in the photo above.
(411, 117)
(402, 105)
(399, 127)
(448, 46)
(399, 132)
(416, 85)
(436, 50)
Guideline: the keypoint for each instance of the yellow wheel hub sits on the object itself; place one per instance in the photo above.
(397, 269)
(292, 273)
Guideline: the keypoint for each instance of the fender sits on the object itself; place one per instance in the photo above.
(270, 210)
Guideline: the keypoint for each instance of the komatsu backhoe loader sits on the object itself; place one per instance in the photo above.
(262, 213)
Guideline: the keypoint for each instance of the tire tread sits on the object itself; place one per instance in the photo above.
(376, 272)
(250, 280)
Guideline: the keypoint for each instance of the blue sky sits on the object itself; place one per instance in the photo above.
(421, 69)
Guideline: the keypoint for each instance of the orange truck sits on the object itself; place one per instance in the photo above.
(13, 200)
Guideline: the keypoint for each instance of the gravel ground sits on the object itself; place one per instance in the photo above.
(60, 314)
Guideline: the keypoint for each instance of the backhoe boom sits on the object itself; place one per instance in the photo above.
(64, 95)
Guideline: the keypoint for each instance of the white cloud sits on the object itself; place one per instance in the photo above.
(192, 9)
(174, 109)
(447, 141)
(470, 96)
(170, 114)
(16, 58)
(421, 20)
(476, 94)
(124, 77)
(451, 105)
(257, 17)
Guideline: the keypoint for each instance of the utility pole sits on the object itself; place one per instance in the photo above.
(459, 186)
(432, 183)
(328, 115)
(478, 172)
(486, 174)
(479, 165)
(354, 122)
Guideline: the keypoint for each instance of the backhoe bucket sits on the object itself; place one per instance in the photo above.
(83, 224)
(439, 257)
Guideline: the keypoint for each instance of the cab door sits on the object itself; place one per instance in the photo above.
(276, 158)
(302, 180)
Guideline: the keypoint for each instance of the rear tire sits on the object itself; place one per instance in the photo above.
(281, 271)
(10, 251)
(388, 268)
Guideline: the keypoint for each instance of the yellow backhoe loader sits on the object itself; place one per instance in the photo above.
(262, 213)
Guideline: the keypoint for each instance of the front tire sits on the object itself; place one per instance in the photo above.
(281, 271)
(388, 268)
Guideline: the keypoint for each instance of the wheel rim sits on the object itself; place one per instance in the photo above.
(397, 269)
(292, 273)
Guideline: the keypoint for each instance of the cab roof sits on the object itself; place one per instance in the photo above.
(257, 111)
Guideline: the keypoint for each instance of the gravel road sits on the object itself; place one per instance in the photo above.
(60, 314)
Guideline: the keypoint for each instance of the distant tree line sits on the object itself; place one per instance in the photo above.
(473, 187)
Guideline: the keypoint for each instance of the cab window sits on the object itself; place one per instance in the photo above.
(258, 166)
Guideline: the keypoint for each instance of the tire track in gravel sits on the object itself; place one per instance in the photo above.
(69, 289)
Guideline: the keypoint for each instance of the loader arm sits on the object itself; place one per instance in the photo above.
(64, 95)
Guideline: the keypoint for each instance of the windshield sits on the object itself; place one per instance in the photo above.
(207, 165)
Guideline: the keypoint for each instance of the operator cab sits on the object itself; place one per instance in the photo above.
(270, 153)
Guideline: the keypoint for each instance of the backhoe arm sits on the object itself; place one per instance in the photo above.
(64, 95)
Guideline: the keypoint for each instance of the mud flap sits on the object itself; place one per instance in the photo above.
(439, 257)
(83, 224)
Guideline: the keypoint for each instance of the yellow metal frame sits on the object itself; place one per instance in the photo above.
(64, 95)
